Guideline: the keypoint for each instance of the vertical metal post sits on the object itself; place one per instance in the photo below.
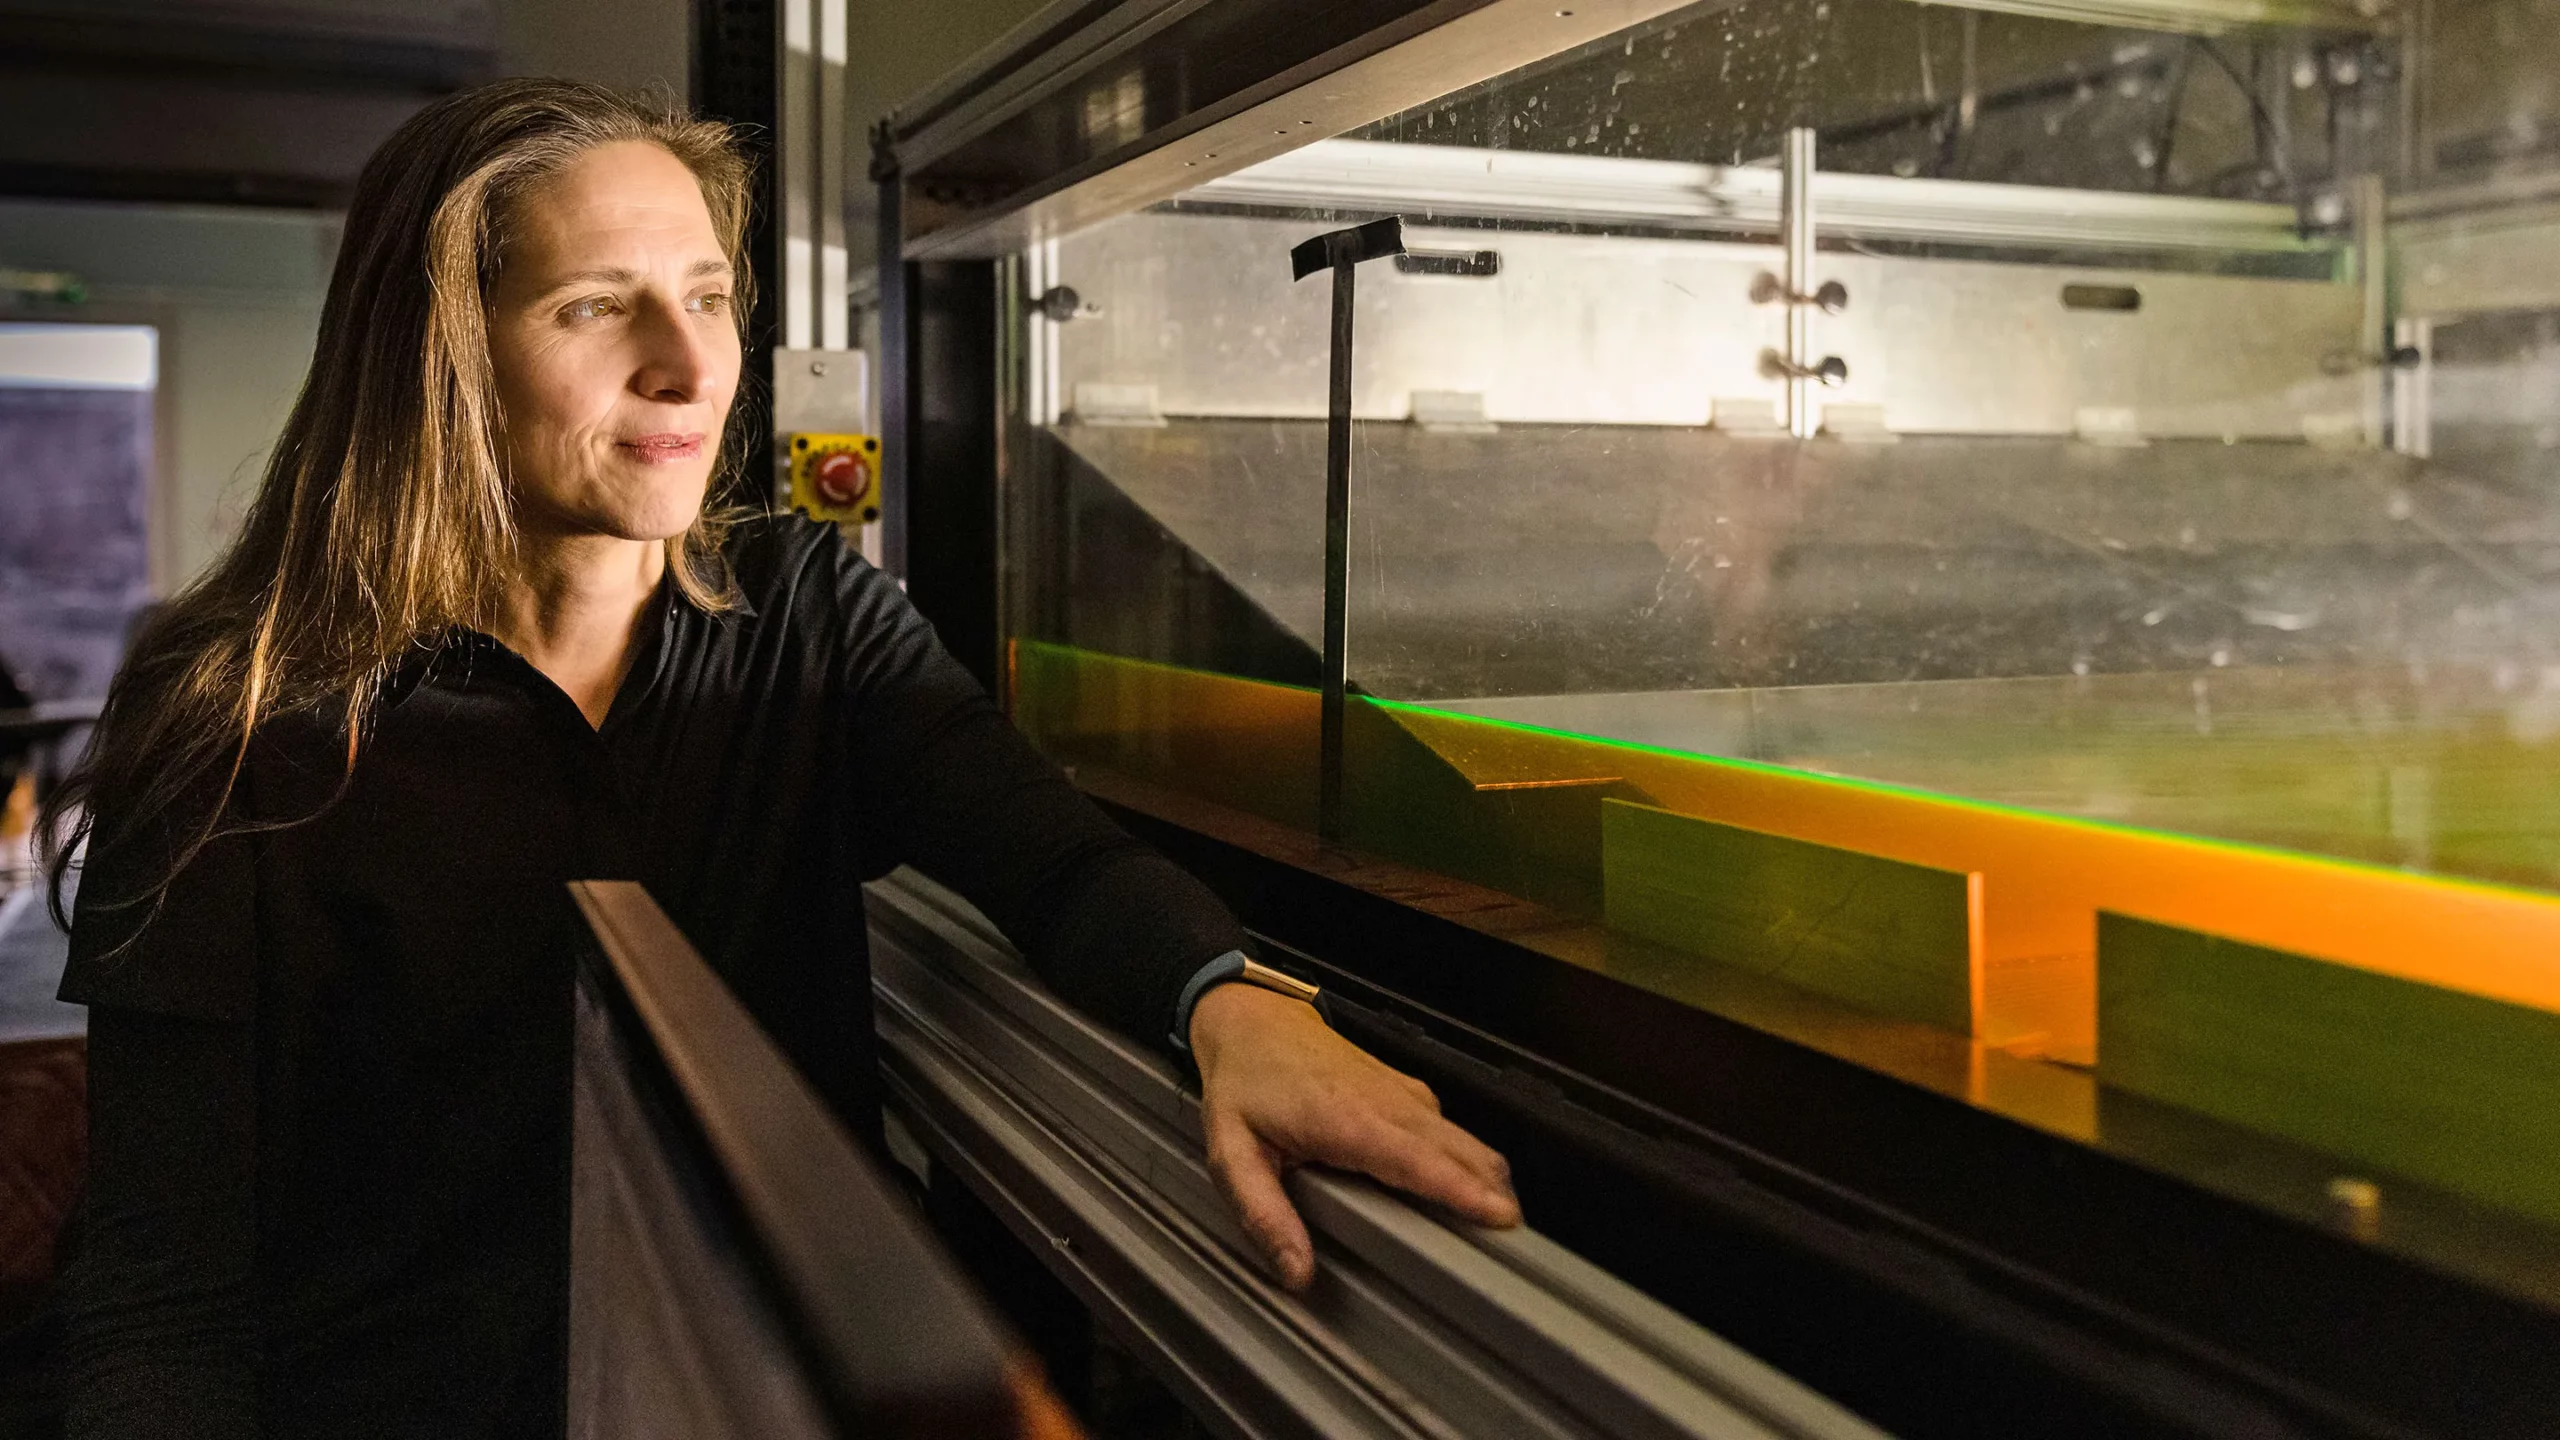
(795, 172)
(1795, 204)
(900, 397)
(2412, 420)
(832, 161)
(2373, 340)
(1337, 560)
(2417, 64)
(1340, 252)
(737, 77)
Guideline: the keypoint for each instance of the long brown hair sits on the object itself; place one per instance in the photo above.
(384, 520)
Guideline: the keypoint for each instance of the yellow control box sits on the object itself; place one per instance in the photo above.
(836, 476)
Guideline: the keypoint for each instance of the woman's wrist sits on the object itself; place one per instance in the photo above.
(1217, 972)
(1232, 1007)
(1234, 965)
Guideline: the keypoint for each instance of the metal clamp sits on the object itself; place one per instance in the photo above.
(1830, 297)
(1060, 304)
(1830, 370)
(2350, 362)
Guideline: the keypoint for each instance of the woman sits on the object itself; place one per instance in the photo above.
(480, 637)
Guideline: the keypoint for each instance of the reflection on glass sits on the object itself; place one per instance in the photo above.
(2139, 501)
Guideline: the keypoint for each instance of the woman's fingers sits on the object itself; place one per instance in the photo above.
(1248, 1170)
(1419, 1091)
(1424, 1155)
(1278, 1088)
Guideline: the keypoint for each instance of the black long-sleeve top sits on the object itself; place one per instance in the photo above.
(330, 1074)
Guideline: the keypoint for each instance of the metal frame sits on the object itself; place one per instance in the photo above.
(1198, 90)
(1085, 112)
(738, 77)
(893, 1339)
(810, 175)
(941, 422)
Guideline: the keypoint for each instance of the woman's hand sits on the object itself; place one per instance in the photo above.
(1278, 1089)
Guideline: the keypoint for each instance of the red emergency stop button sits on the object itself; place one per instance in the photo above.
(840, 478)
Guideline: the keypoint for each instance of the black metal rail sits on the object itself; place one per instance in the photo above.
(868, 1313)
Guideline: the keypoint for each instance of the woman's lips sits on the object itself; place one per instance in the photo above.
(661, 448)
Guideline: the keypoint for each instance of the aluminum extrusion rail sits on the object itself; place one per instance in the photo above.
(1088, 1149)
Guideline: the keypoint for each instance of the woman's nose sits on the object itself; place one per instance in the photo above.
(675, 362)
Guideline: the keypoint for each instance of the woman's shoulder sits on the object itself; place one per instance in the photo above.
(781, 557)
(790, 569)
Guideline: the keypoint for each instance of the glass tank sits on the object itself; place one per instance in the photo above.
(2018, 544)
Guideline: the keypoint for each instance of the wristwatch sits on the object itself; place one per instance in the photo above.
(1234, 965)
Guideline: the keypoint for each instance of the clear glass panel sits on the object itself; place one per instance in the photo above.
(2098, 589)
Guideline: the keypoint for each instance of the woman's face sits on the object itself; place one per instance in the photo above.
(614, 348)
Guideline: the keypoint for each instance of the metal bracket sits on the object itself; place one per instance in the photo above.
(1339, 250)
(1060, 304)
(1829, 370)
(1342, 252)
(2349, 362)
(1831, 297)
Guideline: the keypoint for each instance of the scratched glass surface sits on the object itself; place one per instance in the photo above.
(2187, 460)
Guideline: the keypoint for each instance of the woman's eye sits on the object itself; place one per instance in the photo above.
(595, 307)
(710, 304)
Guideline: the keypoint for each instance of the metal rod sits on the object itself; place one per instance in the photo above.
(1340, 252)
(2411, 420)
(2417, 64)
(1337, 558)
(796, 171)
(2373, 274)
(1795, 211)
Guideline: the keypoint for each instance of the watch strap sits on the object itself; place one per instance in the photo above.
(1234, 965)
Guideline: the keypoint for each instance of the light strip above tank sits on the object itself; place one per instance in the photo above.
(1447, 181)
(2204, 17)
